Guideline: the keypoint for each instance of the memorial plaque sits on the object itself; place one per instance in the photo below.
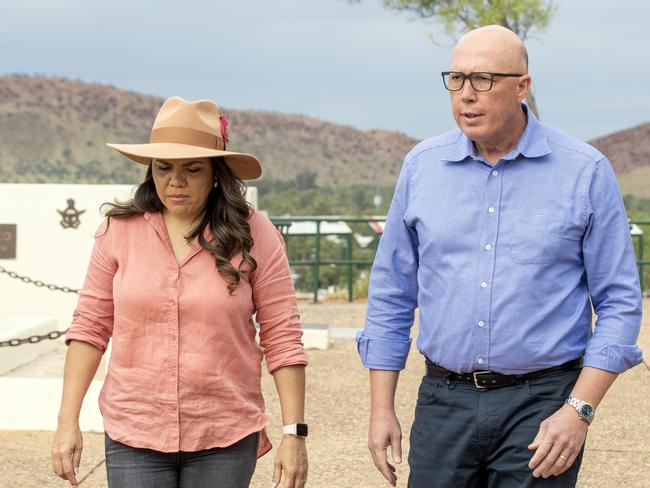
(7, 241)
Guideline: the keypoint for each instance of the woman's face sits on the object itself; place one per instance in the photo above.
(183, 185)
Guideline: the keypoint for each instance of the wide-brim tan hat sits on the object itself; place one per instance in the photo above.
(184, 129)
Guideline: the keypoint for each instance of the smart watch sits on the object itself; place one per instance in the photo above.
(585, 410)
(299, 430)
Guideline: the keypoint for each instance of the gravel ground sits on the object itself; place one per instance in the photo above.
(617, 451)
(336, 314)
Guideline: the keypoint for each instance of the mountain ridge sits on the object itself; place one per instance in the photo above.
(74, 119)
(54, 130)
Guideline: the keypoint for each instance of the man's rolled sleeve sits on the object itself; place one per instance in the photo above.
(382, 354)
(92, 320)
(385, 340)
(612, 277)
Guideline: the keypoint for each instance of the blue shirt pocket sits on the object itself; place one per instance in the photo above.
(537, 236)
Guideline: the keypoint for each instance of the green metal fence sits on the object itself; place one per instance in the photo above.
(284, 225)
(640, 247)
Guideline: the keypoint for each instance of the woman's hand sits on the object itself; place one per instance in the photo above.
(291, 460)
(66, 451)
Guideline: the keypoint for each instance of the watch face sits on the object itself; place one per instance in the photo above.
(587, 411)
(301, 430)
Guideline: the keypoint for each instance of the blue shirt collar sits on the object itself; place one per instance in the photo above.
(532, 143)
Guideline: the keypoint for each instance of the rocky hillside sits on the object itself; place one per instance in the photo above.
(54, 130)
(629, 151)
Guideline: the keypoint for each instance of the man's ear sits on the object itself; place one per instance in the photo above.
(523, 86)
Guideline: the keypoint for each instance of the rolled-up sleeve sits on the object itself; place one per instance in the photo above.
(275, 300)
(612, 277)
(92, 320)
(385, 340)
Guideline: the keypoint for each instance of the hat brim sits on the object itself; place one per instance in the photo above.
(244, 166)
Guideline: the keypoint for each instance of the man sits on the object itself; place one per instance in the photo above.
(503, 233)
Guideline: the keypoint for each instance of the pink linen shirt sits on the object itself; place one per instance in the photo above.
(185, 368)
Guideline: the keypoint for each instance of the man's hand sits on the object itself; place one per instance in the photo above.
(557, 443)
(66, 451)
(291, 461)
(385, 431)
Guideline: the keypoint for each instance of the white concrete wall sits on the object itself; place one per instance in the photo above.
(18, 327)
(316, 336)
(44, 249)
(34, 404)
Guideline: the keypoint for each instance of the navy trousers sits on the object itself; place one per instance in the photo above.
(469, 438)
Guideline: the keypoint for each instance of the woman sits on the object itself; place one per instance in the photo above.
(174, 279)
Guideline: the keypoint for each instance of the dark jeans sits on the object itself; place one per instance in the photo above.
(227, 467)
(469, 438)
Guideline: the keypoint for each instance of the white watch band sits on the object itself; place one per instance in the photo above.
(290, 429)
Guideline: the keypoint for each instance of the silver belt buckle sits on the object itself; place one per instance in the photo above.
(475, 374)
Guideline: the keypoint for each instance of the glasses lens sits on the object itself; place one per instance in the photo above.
(454, 81)
(481, 81)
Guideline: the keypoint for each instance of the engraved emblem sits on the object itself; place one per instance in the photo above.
(70, 216)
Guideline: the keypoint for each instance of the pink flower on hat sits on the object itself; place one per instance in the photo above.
(224, 128)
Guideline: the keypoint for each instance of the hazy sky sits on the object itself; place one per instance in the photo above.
(358, 65)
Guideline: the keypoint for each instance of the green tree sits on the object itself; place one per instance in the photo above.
(459, 16)
(306, 180)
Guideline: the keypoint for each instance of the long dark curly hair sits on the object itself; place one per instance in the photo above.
(226, 212)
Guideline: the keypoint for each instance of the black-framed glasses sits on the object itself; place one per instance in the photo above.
(481, 81)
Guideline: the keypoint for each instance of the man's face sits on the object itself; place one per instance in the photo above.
(487, 117)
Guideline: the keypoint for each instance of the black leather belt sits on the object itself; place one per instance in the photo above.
(490, 379)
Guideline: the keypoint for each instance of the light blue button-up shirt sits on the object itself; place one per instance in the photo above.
(505, 261)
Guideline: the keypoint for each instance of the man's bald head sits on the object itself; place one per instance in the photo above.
(495, 45)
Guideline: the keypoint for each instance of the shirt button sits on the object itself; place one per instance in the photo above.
(481, 323)
(483, 284)
(491, 209)
(488, 247)
(495, 172)
(479, 360)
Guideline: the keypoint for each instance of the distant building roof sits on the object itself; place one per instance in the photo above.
(309, 228)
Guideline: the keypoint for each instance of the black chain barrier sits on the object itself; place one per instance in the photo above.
(38, 283)
(55, 334)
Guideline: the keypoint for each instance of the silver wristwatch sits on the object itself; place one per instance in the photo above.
(585, 410)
